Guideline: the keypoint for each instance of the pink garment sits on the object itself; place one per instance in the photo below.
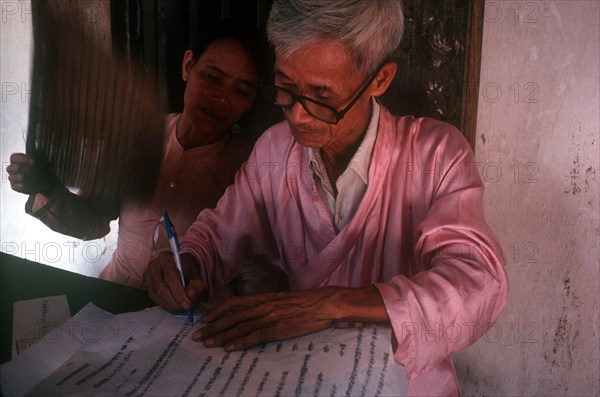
(190, 180)
(419, 235)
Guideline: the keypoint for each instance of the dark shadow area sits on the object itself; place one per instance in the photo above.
(432, 67)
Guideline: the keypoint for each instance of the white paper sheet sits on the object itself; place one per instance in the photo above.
(35, 318)
(151, 353)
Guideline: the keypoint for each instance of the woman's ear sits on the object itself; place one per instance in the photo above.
(384, 78)
(188, 62)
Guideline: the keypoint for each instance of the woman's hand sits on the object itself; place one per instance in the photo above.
(26, 175)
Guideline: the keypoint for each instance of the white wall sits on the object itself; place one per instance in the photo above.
(537, 146)
(21, 234)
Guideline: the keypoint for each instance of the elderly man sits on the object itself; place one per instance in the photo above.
(374, 218)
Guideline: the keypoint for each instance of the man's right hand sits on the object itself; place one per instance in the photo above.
(164, 282)
(29, 177)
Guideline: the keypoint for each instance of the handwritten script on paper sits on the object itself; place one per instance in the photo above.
(35, 318)
(150, 353)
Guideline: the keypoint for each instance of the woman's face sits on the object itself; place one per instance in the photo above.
(221, 86)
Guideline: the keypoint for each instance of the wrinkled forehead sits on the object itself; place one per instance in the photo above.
(326, 59)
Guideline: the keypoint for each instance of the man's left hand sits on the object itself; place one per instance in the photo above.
(241, 322)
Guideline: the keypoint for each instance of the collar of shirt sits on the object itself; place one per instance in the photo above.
(361, 160)
(352, 184)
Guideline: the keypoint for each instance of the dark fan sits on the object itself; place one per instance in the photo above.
(94, 118)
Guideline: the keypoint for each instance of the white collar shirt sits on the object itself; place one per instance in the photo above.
(352, 183)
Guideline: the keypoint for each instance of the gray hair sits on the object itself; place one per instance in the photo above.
(371, 30)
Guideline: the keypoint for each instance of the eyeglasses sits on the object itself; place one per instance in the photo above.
(286, 98)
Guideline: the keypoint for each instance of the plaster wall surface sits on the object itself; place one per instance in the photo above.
(538, 152)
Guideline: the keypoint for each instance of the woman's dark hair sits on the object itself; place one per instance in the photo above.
(253, 41)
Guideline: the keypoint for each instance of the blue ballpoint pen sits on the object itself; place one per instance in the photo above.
(175, 248)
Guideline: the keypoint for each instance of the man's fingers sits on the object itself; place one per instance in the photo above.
(226, 306)
(241, 335)
(240, 316)
(228, 314)
(242, 322)
(262, 330)
(159, 293)
(160, 279)
(173, 281)
(194, 289)
(229, 321)
(237, 303)
(165, 286)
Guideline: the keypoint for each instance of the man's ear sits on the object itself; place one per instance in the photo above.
(384, 78)
(186, 66)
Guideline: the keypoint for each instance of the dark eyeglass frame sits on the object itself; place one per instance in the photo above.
(338, 114)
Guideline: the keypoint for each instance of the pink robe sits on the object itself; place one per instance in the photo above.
(419, 235)
(189, 181)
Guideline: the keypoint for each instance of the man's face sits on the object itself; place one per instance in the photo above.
(324, 72)
(221, 86)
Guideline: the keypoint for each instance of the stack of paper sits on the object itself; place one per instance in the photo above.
(151, 353)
